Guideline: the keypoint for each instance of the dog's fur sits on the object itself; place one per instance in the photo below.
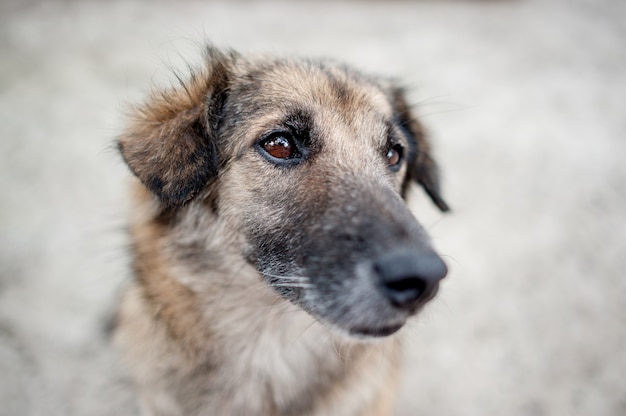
(255, 289)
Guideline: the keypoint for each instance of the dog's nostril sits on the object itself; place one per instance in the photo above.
(405, 291)
(406, 277)
(409, 284)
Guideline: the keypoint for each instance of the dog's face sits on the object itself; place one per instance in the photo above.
(310, 162)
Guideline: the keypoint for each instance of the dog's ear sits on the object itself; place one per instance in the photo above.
(422, 167)
(171, 143)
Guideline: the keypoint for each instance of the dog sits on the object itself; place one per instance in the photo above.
(274, 255)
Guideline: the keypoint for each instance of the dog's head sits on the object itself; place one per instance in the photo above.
(310, 163)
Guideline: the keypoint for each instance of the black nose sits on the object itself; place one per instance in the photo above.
(408, 277)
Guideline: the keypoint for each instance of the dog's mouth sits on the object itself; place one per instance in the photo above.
(377, 332)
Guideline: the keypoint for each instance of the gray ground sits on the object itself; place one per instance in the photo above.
(525, 99)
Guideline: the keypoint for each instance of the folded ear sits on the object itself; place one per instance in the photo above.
(422, 167)
(171, 145)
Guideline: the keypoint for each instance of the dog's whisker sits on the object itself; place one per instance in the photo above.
(447, 256)
(294, 285)
(308, 327)
(289, 280)
(275, 305)
(292, 310)
(286, 277)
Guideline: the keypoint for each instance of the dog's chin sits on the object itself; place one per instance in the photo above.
(365, 332)
(374, 332)
(350, 326)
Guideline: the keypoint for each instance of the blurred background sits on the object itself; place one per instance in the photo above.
(525, 101)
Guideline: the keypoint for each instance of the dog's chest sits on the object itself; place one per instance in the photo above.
(286, 357)
(292, 365)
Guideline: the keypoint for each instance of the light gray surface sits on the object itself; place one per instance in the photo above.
(526, 101)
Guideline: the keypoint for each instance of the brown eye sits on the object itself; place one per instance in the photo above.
(279, 147)
(394, 155)
(282, 148)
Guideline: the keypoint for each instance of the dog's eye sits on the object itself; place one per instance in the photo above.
(280, 146)
(394, 155)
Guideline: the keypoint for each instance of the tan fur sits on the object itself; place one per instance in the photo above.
(168, 342)
(201, 332)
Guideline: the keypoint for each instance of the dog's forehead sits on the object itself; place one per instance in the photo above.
(320, 88)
